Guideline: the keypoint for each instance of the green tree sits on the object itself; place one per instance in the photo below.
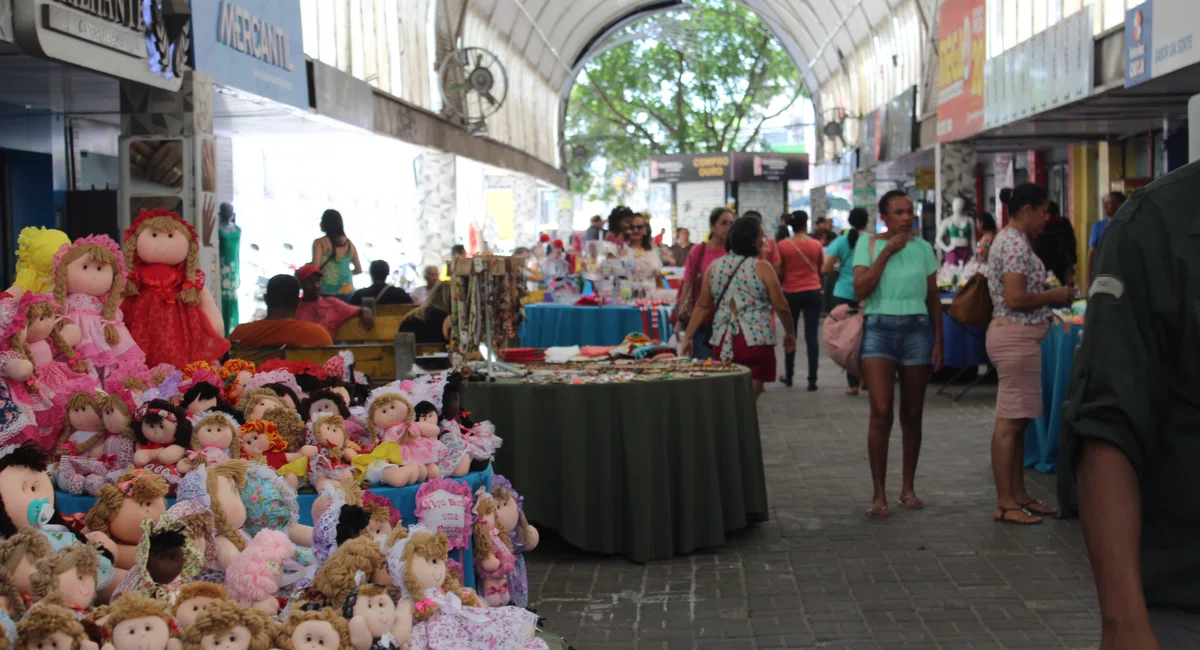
(697, 80)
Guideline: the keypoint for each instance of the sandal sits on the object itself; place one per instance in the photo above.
(1005, 519)
(852, 392)
(912, 503)
(877, 512)
(1038, 508)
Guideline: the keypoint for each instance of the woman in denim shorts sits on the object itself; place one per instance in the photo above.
(895, 275)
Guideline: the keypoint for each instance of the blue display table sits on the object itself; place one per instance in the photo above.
(550, 325)
(1043, 434)
(962, 346)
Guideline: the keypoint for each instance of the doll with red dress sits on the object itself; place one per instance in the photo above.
(167, 310)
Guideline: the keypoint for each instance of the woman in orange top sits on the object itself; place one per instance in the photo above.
(800, 264)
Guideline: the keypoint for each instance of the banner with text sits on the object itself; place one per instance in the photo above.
(1161, 36)
(252, 45)
(962, 49)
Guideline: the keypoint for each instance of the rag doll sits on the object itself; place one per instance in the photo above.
(235, 374)
(480, 438)
(255, 402)
(66, 577)
(174, 553)
(419, 441)
(135, 496)
(494, 558)
(27, 502)
(17, 420)
(19, 553)
(47, 334)
(447, 615)
(12, 602)
(374, 621)
(258, 572)
(164, 434)
(20, 379)
(385, 463)
(327, 433)
(336, 578)
(510, 514)
(385, 518)
(226, 625)
(261, 442)
(116, 412)
(87, 452)
(201, 388)
(136, 622)
(334, 402)
(291, 428)
(35, 259)
(281, 381)
(217, 487)
(88, 280)
(272, 504)
(454, 458)
(213, 436)
(337, 516)
(193, 600)
(52, 627)
(314, 629)
(168, 311)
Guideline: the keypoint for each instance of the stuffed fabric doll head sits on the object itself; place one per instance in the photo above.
(163, 423)
(193, 600)
(35, 258)
(214, 430)
(136, 622)
(337, 577)
(116, 411)
(235, 374)
(218, 487)
(12, 602)
(387, 409)
(289, 425)
(226, 625)
(19, 553)
(200, 395)
(83, 415)
(384, 516)
(51, 626)
(510, 513)
(424, 558)
(43, 321)
(371, 614)
(314, 629)
(66, 577)
(325, 400)
(122, 506)
(258, 572)
(161, 237)
(328, 433)
(91, 266)
(255, 402)
(259, 438)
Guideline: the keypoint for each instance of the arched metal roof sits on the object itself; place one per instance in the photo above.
(557, 36)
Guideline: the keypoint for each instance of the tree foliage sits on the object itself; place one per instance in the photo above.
(706, 83)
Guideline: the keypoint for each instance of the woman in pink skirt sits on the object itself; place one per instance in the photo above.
(1020, 319)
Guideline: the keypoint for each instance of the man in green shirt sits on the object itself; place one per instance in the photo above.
(1134, 419)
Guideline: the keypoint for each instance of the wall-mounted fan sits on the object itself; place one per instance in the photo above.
(835, 128)
(473, 85)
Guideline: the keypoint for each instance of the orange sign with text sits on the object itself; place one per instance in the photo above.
(962, 49)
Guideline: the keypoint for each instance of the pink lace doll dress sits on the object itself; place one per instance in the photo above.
(89, 472)
(458, 626)
(87, 312)
(57, 375)
(415, 447)
(17, 421)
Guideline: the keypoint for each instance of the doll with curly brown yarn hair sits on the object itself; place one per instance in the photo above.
(238, 627)
(492, 551)
(167, 309)
(313, 629)
(193, 600)
(88, 279)
(67, 577)
(338, 576)
(83, 446)
(447, 615)
(19, 554)
(120, 508)
(327, 433)
(52, 626)
(387, 410)
(135, 622)
(255, 402)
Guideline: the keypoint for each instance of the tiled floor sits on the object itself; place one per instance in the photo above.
(820, 575)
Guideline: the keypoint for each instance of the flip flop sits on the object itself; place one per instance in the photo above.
(1038, 508)
(877, 513)
(912, 503)
(1004, 518)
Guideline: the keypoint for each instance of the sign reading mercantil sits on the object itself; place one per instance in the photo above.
(140, 40)
(255, 46)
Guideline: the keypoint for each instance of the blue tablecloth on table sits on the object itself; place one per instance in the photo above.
(550, 325)
(1043, 434)
(962, 346)
(403, 498)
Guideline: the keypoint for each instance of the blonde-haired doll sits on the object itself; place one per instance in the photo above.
(168, 311)
(88, 279)
(385, 463)
(87, 451)
(35, 259)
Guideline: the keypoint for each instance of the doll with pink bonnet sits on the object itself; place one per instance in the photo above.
(21, 380)
(88, 280)
(51, 338)
(167, 309)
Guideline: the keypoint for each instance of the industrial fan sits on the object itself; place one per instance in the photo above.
(473, 85)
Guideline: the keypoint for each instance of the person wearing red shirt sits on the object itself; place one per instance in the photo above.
(801, 259)
(325, 311)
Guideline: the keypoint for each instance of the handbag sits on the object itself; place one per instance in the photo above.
(972, 305)
(842, 334)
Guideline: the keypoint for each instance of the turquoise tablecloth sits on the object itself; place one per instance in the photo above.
(550, 325)
(1043, 434)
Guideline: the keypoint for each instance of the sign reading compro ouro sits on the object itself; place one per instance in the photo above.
(140, 40)
(255, 46)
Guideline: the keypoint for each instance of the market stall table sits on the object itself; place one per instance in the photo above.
(963, 347)
(1044, 434)
(649, 470)
(551, 325)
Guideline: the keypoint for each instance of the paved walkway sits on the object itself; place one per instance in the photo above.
(820, 575)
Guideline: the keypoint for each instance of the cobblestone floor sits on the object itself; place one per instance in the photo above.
(820, 575)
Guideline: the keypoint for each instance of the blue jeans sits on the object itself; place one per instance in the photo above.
(903, 340)
(701, 348)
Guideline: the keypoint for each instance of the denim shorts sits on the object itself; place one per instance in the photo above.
(903, 340)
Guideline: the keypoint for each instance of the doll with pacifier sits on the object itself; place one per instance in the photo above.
(122, 506)
(164, 434)
(88, 279)
(51, 338)
(167, 309)
(87, 452)
(387, 409)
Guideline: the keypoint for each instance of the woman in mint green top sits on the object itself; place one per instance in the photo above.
(895, 277)
(336, 256)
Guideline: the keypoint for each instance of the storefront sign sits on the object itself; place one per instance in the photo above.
(253, 45)
(926, 178)
(684, 168)
(729, 167)
(1047, 71)
(343, 97)
(140, 40)
(962, 50)
(1161, 36)
(770, 167)
(899, 131)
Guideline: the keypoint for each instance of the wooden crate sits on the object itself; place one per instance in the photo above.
(382, 362)
(352, 330)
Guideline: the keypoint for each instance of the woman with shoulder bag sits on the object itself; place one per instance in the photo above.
(744, 293)
(1021, 318)
(801, 260)
(840, 252)
(895, 275)
(699, 259)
